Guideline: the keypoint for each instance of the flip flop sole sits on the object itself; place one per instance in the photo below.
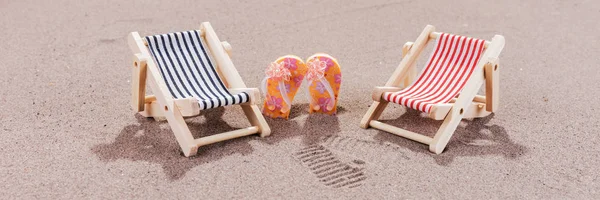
(273, 104)
(318, 93)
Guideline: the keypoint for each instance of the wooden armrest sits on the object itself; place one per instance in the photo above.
(227, 47)
(378, 92)
(187, 106)
(411, 74)
(254, 94)
(406, 48)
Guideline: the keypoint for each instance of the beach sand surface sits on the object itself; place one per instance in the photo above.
(67, 129)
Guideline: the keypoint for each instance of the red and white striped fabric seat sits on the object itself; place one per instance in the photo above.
(445, 74)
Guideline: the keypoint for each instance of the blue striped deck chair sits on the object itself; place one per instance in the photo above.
(188, 72)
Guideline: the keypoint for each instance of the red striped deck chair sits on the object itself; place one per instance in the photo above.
(188, 72)
(447, 87)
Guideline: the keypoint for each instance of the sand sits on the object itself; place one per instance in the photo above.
(68, 130)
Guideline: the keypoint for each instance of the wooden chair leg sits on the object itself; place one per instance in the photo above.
(443, 135)
(257, 119)
(373, 113)
(492, 85)
(180, 130)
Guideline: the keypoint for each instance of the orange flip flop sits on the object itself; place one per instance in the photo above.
(284, 77)
(325, 77)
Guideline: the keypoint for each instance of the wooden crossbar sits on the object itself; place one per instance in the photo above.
(226, 136)
(435, 35)
(401, 132)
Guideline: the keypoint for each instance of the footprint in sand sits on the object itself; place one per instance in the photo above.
(330, 169)
(364, 149)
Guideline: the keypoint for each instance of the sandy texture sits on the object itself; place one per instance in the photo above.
(67, 130)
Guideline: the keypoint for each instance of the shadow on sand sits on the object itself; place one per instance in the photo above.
(154, 142)
(472, 138)
(314, 128)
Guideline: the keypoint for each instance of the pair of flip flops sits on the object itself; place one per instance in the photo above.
(286, 74)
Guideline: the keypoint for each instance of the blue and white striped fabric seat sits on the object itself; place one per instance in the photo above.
(188, 71)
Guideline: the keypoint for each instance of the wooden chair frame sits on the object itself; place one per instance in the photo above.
(466, 105)
(161, 105)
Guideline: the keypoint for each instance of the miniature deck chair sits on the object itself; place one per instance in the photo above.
(180, 71)
(447, 87)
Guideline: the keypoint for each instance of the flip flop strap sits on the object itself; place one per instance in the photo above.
(327, 87)
(284, 95)
(263, 86)
(282, 90)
